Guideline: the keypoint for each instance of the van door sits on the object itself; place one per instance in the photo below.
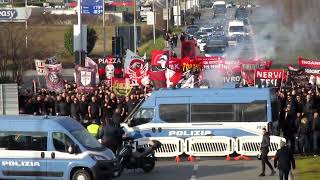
(58, 155)
(25, 154)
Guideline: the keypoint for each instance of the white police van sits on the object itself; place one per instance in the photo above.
(51, 148)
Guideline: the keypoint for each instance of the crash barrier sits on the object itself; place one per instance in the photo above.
(170, 146)
(250, 145)
(209, 146)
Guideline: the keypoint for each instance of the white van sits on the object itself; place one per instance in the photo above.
(34, 147)
(236, 27)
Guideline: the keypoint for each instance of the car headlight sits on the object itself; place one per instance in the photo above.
(98, 157)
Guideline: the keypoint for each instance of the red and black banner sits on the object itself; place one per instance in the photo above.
(269, 78)
(297, 76)
(189, 49)
(159, 58)
(309, 66)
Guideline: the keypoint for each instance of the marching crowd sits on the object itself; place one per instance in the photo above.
(296, 110)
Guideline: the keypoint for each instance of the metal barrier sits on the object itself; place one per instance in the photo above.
(250, 145)
(170, 146)
(209, 146)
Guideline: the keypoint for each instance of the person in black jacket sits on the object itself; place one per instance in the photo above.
(284, 160)
(264, 152)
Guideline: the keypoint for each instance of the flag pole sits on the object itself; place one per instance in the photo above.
(104, 31)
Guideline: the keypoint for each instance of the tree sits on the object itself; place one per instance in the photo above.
(68, 40)
(91, 39)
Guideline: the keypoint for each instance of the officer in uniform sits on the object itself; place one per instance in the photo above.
(93, 129)
(264, 152)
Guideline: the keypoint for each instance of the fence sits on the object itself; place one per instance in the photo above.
(210, 145)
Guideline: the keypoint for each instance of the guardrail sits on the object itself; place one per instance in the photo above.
(250, 145)
(209, 146)
(170, 146)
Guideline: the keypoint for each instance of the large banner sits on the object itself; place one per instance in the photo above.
(121, 86)
(53, 77)
(86, 79)
(249, 66)
(297, 76)
(189, 49)
(40, 66)
(136, 69)
(310, 66)
(269, 78)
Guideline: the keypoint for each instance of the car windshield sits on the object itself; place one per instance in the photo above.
(211, 50)
(220, 7)
(87, 140)
(236, 29)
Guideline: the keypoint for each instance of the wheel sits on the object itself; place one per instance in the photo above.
(81, 175)
(148, 166)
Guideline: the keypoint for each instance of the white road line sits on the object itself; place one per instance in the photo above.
(194, 171)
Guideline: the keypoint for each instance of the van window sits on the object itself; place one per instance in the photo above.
(236, 29)
(244, 112)
(174, 113)
(212, 112)
(29, 141)
(61, 141)
(142, 116)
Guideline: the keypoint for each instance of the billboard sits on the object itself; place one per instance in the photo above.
(14, 14)
(92, 7)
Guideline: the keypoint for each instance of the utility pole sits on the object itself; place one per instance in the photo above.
(167, 7)
(154, 23)
(134, 28)
(79, 30)
(26, 23)
(104, 31)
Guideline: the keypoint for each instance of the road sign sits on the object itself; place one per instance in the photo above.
(150, 18)
(165, 14)
(92, 7)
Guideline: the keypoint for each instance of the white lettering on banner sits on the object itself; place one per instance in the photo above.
(7, 13)
(190, 133)
(312, 71)
(174, 66)
(309, 62)
(22, 163)
(232, 79)
(109, 61)
(269, 75)
(273, 82)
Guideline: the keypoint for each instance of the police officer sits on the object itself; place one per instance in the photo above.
(93, 129)
(283, 160)
(264, 152)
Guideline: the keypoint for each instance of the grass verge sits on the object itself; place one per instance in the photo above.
(149, 46)
(308, 168)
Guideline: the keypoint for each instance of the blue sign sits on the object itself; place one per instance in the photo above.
(92, 7)
(8, 13)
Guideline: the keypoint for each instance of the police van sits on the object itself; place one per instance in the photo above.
(184, 113)
(51, 148)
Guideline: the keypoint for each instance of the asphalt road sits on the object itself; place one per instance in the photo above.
(202, 169)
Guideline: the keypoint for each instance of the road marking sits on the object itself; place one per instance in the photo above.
(194, 171)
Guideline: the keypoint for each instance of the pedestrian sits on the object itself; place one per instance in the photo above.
(265, 144)
(94, 110)
(302, 135)
(182, 37)
(75, 109)
(284, 161)
(93, 129)
(174, 40)
(316, 132)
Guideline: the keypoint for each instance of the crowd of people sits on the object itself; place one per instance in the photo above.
(297, 110)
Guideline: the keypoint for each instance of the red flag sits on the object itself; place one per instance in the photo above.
(188, 49)
(158, 78)
(159, 58)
